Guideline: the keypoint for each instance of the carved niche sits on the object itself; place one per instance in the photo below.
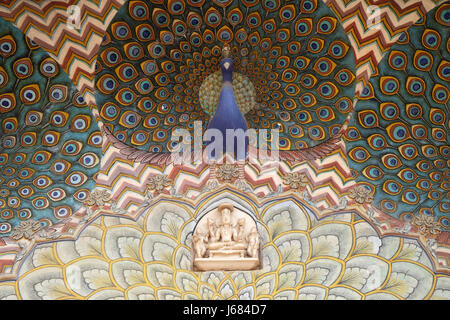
(226, 239)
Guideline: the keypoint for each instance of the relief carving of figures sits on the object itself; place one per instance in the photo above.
(227, 239)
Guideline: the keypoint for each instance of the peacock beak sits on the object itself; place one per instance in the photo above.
(226, 65)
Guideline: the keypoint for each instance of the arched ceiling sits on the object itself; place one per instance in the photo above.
(330, 178)
(158, 53)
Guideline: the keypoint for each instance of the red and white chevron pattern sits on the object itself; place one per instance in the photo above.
(329, 178)
(48, 23)
(370, 42)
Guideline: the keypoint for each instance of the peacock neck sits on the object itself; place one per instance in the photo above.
(227, 70)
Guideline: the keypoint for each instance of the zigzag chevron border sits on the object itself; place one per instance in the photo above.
(75, 50)
(370, 44)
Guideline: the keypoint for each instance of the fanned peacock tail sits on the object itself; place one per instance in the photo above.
(50, 145)
(398, 140)
(158, 69)
(304, 74)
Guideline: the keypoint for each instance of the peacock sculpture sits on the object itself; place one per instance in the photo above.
(50, 145)
(159, 71)
(398, 139)
(227, 116)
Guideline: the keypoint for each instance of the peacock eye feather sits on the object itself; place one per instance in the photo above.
(290, 58)
(49, 146)
(407, 105)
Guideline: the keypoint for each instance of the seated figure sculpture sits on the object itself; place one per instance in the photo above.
(226, 241)
(226, 237)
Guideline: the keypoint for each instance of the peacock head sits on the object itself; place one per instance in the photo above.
(226, 65)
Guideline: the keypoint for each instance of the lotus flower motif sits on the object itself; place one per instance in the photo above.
(98, 198)
(26, 229)
(338, 257)
(296, 180)
(361, 194)
(158, 182)
(227, 172)
(427, 225)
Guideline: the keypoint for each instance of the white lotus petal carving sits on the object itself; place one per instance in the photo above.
(325, 246)
(8, 292)
(389, 247)
(265, 285)
(322, 271)
(333, 239)
(134, 277)
(290, 276)
(157, 247)
(381, 296)
(206, 292)
(291, 250)
(186, 282)
(44, 256)
(241, 279)
(246, 294)
(127, 273)
(129, 247)
(141, 293)
(355, 277)
(66, 251)
(52, 289)
(442, 289)
(279, 223)
(226, 290)
(339, 257)
(409, 281)
(342, 293)
(153, 221)
(89, 247)
(212, 278)
(160, 275)
(167, 294)
(370, 244)
(171, 223)
(293, 247)
(183, 259)
(365, 273)
(123, 242)
(311, 293)
(97, 279)
(108, 294)
(410, 251)
(285, 295)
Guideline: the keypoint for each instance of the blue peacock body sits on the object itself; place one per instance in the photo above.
(227, 115)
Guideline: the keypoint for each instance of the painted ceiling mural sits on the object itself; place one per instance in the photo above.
(361, 84)
(296, 57)
(51, 145)
(407, 160)
(340, 257)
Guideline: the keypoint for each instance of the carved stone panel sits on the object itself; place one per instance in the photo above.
(226, 239)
